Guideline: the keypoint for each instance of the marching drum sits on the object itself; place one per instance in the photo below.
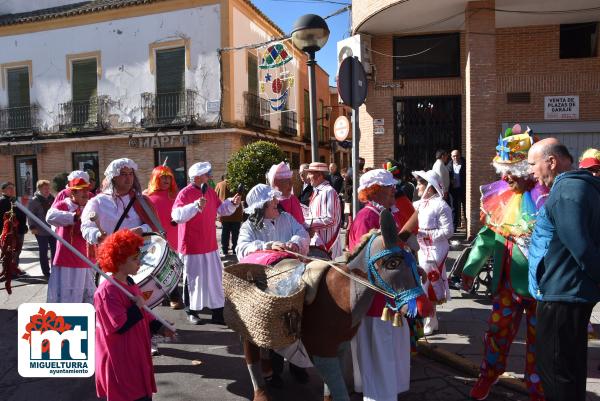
(160, 269)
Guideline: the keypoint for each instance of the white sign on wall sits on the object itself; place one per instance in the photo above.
(561, 107)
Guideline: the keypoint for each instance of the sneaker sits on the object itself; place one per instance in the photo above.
(154, 351)
(176, 305)
(482, 387)
(430, 325)
(193, 319)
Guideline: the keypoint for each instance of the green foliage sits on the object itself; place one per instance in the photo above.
(251, 163)
(59, 182)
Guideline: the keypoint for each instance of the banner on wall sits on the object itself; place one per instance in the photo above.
(276, 78)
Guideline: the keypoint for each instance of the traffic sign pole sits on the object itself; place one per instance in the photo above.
(355, 144)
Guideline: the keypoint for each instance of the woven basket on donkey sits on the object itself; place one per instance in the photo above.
(267, 320)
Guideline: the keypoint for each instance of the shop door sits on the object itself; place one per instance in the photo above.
(25, 176)
(424, 125)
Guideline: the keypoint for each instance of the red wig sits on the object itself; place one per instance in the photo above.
(116, 248)
(368, 194)
(154, 183)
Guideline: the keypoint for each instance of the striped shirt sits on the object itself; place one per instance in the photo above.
(324, 215)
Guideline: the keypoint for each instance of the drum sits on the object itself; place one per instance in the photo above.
(160, 269)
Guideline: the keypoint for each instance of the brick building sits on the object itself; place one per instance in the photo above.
(84, 83)
(454, 74)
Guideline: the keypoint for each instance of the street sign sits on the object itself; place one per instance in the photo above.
(352, 82)
(341, 128)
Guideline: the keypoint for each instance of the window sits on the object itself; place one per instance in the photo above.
(579, 40)
(252, 74)
(88, 162)
(170, 83)
(434, 56)
(19, 112)
(306, 115)
(176, 161)
(85, 90)
(26, 175)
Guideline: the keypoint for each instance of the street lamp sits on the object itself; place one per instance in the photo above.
(310, 34)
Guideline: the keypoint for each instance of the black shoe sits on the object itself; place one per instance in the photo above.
(299, 374)
(193, 319)
(274, 381)
(217, 317)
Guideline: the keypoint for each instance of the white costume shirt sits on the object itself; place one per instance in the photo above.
(108, 209)
(283, 229)
(325, 216)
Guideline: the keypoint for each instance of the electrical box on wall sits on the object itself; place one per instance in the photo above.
(360, 46)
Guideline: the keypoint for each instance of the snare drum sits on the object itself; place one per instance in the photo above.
(160, 269)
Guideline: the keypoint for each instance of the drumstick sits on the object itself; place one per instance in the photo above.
(94, 219)
(88, 262)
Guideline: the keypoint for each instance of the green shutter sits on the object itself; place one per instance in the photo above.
(170, 71)
(252, 74)
(18, 87)
(85, 80)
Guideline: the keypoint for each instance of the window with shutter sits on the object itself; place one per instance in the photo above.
(85, 90)
(19, 112)
(252, 74)
(170, 84)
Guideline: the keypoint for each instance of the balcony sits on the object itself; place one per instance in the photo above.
(323, 135)
(88, 115)
(18, 120)
(288, 125)
(257, 111)
(176, 109)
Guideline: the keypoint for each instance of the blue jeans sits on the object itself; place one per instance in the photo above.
(45, 241)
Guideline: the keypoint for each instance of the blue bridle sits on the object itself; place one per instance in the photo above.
(406, 297)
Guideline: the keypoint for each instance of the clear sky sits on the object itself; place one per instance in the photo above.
(285, 12)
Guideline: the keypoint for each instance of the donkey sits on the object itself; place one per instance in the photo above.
(340, 304)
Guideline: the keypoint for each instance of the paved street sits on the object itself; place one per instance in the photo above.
(205, 362)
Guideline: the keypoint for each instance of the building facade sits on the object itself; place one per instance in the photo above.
(455, 74)
(86, 83)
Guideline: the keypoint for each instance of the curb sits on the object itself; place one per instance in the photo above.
(436, 353)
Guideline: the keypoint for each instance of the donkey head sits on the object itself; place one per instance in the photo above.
(392, 269)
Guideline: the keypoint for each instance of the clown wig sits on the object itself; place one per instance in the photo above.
(116, 248)
(369, 193)
(154, 183)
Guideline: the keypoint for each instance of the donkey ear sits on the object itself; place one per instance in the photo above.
(389, 231)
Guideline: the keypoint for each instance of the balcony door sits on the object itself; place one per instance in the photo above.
(170, 85)
(19, 110)
(85, 92)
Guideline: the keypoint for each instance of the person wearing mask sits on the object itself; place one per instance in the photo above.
(563, 269)
(39, 206)
(458, 180)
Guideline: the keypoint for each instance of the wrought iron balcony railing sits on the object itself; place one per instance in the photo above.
(168, 109)
(89, 114)
(18, 120)
(257, 111)
(289, 121)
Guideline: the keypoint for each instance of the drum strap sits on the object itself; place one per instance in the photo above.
(129, 205)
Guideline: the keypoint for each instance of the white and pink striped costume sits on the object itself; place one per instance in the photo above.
(324, 216)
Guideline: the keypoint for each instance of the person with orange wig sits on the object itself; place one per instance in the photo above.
(123, 363)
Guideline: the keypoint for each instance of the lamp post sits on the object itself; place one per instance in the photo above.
(310, 34)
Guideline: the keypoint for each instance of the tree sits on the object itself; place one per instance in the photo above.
(249, 165)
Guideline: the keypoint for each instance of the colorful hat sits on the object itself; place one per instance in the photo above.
(590, 158)
(393, 167)
(281, 171)
(258, 196)
(376, 177)
(511, 151)
(78, 183)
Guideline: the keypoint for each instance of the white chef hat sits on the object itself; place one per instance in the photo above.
(115, 166)
(77, 174)
(433, 180)
(280, 170)
(258, 196)
(376, 177)
(199, 169)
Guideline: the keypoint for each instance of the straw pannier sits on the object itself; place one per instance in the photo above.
(267, 320)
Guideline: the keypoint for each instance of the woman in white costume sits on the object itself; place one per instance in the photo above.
(435, 229)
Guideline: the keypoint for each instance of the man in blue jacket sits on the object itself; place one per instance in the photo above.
(564, 269)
